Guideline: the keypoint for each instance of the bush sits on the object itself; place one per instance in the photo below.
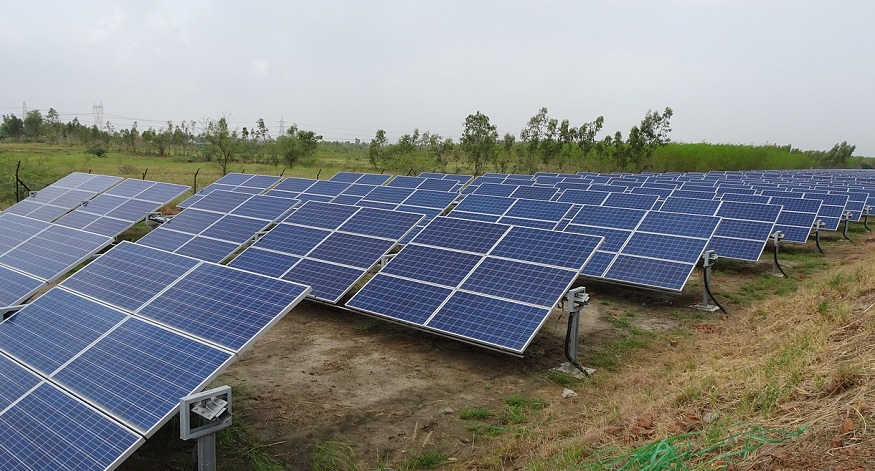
(96, 151)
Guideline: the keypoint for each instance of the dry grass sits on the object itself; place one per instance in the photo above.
(806, 358)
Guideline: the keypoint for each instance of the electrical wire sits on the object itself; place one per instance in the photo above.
(710, 295)
(775, 253)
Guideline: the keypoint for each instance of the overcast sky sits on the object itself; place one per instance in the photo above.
(796, 72)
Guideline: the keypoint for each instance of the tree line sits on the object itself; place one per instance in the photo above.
(544, 142)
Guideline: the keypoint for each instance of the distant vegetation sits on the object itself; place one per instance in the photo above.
(544, 143)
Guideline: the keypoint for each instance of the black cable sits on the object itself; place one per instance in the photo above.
(816, 241)
(845, 231)
(708, 290)
(573, 361)
(775, 253)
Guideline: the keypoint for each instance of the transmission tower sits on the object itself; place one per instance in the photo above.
(282, 127)
(98, 115)
(23, 109)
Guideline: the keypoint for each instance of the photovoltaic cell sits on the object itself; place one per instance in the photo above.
(54, 251)
(519, 281)
(351, 249)
(461, 234)
(649, 272)
(292, 239)
(602, 216)
(691, 225)
(488, 320)
(221, 201)
(690, 206)
(210, 298)
(665, 247)
(210, 250)
(432, 265)
(324, 215)
(192, 221)
(555, 248)
(16, 287)
(401, 299)
(630, 200)
(264, 262)
(381, 223)
(496, 205)
(129, 275)
(165, 239)
(329, 281)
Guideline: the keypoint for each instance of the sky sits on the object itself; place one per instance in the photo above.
(733, 71)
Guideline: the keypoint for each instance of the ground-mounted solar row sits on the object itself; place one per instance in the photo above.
(797, 217)
(831, 210)
(62, 196)
(485, 283)
(327, 246)
(114, 212)
(120, 366)
(234, 182)
(54, 251)
(16, 287)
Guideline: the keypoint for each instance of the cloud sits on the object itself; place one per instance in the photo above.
(260, 68)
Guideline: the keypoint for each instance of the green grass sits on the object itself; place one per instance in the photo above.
(610, 355)
(427, 459)
(704, 157)
(476, 413)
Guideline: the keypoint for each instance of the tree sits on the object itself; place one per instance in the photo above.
(12, 127)
(53, 125)
(507, 143)
(296, 145)
(837, 157)
(478, 140)
(636, 154)
(222, 143)
(532, 135)
(375, 148)
(33, 124)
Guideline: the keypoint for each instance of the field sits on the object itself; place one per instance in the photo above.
(783, 381)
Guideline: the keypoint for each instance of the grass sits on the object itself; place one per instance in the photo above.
(476, 413)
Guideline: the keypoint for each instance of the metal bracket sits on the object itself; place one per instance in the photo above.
(575, 300)
(212, 407)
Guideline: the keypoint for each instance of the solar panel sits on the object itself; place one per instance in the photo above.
(630, 200)
(265, 207)
(15, 229)
(387, 224)
(129, 275)
(207, 249)
(389, 194)
(165, 239)
(796, 218)
(470, 280)
(496, 205)
(220, 201)
(54, 251)
(690, 206)
(15, 287)
(649, 272)
(324, 215)
(583, 197)
(330, 281)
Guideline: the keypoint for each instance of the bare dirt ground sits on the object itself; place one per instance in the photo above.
(389, 392)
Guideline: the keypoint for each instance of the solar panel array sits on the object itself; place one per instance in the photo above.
(219, 223)
(120, 207)
(62, 196)
(487, 283)
(327, 246)
(95, 366)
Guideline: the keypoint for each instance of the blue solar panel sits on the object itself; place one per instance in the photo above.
(165, 239)
(324, 215)
(134, 210)
(291, 239)
(665, 247)
(329, 281)
(794, 233)
(374, 179)
(102, 204)
(346, 199)
(649, 272)
(16, 381)
(237, 229)
(348, 177)
(461, 234)
(377, 205)
(264, 262)
(602, 216)
(492, 321)
(536, 209)
(429, 213)
(77, 219)
(221, 201)
(431, 199)
(437, 185)
(402, 181)
(54, 251)
(192, 221)
(265, 207)
(161, 192)
(129, 275)
(533, 223)
(739, 249)
(495, 189)
(792, 218)
(520, 281)
(358, 190)
(630, 200)
(381, 223)
(690, 206)
(15, 229)
(294, 184)
(705, 195)
(614, 238)
(598, 263)
(352, 249)
(559, 249)
(328, 188)
(16, 287)
(388, 194)
(49, 213)
(50, 331)
(260, 181)
(74, 437)
(496, 205)
(138, 372)
(401, 299)
(473, 216)
(210, 250)
(108, 226)
(583, 196)
(534, 192)
(210, 298)
(744, 198)
(692, 225)
(797, 204)
(233, 179)
(318, 198)
(741, 229)
(432, 265)
(661, 193)
(749, 211)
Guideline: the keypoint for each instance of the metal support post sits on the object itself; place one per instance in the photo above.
(776, 269)
(708, 259)
(866, 211)
(212, 407)
(576, 299)
(817, 225)
(847, 217)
